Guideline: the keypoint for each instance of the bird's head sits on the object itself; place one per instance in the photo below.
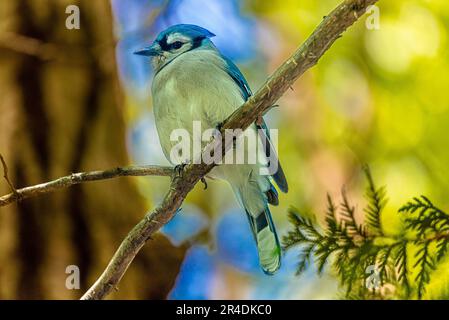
(173, 42)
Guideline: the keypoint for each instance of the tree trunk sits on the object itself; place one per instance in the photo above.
(61, 112)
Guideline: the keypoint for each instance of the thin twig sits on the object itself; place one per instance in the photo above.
(5, 175)
(76, 178)
(26, 45)
(304, 58)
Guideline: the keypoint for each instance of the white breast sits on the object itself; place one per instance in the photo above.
(193, 87)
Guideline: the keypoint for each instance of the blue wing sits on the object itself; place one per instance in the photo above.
(237, 76)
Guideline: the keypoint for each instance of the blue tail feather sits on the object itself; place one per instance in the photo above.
(267, 241)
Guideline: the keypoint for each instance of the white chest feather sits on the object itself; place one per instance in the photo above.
(194, 87)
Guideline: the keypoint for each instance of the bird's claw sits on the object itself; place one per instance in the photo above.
(203, 180)
(180, 168)
(219, 126)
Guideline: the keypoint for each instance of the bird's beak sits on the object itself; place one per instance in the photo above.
(150, 51)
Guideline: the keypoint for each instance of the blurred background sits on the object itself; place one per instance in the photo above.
(79, 100)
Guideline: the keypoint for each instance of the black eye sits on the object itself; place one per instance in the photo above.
(177, 44)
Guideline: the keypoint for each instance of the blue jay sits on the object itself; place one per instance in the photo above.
(193, 81)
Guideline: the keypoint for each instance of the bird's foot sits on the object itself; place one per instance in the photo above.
(180, 168)
(219, 126)
(203, 180)
(216, 134)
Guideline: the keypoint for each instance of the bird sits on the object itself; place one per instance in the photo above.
(194, 81)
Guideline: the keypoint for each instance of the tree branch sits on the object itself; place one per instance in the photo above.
(76, 178)
(26, 45)
(304, 58)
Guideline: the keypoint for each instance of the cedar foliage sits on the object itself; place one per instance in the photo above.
(369, 263)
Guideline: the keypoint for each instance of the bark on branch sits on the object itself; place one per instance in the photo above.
(304, 58)
(76, 178)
